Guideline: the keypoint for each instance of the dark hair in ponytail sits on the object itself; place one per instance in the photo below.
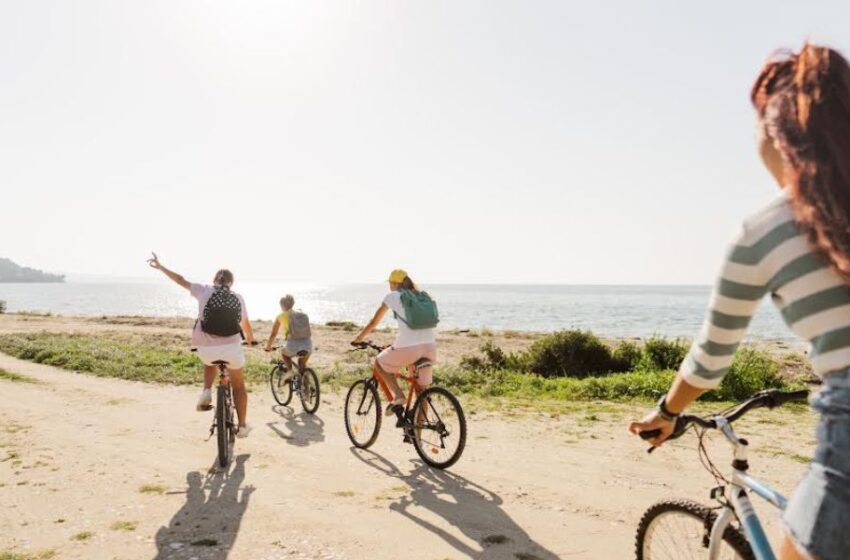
(803, 100)
(408, 284)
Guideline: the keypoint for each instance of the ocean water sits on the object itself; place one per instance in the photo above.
(613, 311)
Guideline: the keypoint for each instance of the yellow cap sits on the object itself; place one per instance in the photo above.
(397, 276)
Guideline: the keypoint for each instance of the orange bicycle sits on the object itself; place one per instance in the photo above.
(434, 422)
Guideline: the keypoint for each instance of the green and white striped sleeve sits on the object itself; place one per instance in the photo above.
(739, 290)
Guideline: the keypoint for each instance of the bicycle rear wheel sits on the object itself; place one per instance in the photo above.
(223, 426)
(439, 428)
(676, 529)
(363, 413)
(281, 388)
(309, 391)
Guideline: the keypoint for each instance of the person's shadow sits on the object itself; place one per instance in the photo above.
(301, 429)
(474, 510)
(207, 524)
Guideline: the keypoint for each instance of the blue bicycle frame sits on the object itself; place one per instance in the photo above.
(738, 501)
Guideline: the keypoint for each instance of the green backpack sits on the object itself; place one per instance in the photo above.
(420, 310)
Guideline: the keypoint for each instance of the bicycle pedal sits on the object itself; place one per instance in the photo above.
(407, 439)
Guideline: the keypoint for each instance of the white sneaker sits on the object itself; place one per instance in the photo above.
(244, 431)
(205, 401)
(398, 402)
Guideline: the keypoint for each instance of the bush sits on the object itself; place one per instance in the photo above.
(660, 354)
(494, 358)
(626, 356)
(347, 326)
(2, 306)
(569, 353)
(751, 371)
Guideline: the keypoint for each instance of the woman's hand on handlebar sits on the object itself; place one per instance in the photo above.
(653, 422)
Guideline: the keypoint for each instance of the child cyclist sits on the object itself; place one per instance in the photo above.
(295, 327)
(417, 318)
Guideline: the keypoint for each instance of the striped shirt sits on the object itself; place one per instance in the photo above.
(771, 255)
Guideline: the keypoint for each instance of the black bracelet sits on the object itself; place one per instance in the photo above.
(664, 412)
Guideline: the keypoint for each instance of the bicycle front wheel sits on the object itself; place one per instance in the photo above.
(676, 529)
(281, 388)
(223, 427)
(309, 391)
(439, 428)
(363, 413)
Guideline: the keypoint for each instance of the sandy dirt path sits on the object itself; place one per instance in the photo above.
(77, 449)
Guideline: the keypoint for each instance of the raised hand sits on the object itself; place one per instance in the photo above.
(153, 262)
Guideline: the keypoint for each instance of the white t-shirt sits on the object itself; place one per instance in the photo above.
(407, 336)
(202, 293)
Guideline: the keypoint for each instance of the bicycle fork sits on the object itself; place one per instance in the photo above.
(737, 503)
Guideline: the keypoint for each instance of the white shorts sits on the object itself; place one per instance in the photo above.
(230, 353)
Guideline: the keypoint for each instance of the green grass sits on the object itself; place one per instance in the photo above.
(41, 555)
(152, 489)
(149, 357)
(124, 526)
(165, 358)
(16, 377)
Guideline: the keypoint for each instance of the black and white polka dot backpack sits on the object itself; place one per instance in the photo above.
(222, 313)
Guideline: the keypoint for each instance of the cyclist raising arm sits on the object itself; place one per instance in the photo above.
(217, 334)
(798, 250)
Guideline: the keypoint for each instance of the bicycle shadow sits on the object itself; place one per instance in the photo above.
(208, 522)
(302, 429)
(474, 510)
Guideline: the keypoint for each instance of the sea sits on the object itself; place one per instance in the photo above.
(609, 311)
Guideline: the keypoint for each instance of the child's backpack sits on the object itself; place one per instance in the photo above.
(299, 325)
(420, 311)
(222, 313)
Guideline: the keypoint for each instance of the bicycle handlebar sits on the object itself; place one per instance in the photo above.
(366, 344)
(770, 399)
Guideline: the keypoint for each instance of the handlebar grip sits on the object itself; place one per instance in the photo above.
(793, 396)
(649, 434)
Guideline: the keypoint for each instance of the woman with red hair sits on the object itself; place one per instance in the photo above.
(797, 249)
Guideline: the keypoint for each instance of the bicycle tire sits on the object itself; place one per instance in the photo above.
(281, 390)
(363, 400)
(222, 427)
(650, 523)
(309, 392)
(421, 446)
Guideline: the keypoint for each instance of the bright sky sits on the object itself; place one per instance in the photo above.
(485, 141)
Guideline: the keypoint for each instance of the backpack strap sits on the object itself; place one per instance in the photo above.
(402, 319)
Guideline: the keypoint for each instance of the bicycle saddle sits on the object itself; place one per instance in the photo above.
(422, 363)
(220, 362)
(302, 353)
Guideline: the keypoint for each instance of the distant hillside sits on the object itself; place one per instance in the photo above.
(11, 272)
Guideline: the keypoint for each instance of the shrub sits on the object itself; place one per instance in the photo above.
(2, 306)
(751, 371)
(347, 326)
(569, 353)
(494, 358)
(626, 356)
(662, 354)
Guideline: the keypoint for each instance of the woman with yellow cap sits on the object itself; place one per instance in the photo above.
(410, 344)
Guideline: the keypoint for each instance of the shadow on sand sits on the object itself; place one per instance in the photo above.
(207, 524)
(300, 429)
(475, 511)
